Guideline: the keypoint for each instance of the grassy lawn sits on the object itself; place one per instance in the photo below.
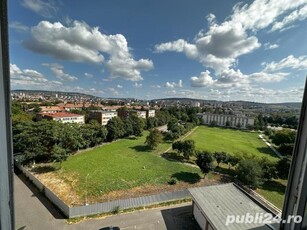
(230, 141)
(274, 191)
(122, 165)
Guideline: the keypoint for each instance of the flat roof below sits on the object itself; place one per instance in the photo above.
(219, 201)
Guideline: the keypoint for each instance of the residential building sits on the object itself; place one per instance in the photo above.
(233, 121)
(150, 113)
(102, 116)
(125, 113)
(139, 113)
(51, 109)
(213, 205)
(62, 117)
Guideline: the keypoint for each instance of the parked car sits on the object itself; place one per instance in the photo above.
(110, 228)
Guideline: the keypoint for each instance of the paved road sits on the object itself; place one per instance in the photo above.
(33, 211)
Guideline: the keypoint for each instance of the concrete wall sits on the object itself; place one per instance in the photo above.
(48, 193)
(105, 207)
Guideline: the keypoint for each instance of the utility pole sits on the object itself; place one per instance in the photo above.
(6, 153)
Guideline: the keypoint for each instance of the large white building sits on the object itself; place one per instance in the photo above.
(102, 116)
(63, 117)
(227, 120)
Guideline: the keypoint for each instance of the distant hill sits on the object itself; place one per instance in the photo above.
(46, 92)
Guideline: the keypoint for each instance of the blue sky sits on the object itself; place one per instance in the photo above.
(207, 49)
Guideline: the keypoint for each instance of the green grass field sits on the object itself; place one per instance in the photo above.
(124, 164)
(128, 163)
(274, 191)
(230, 141)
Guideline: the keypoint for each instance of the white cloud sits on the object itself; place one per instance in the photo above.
(235, 79)
(119, 86)
(113, 91)
(269, 46)
(32, 79)
(137, 85)
(58, 71)
(88, 75)
(262, 13)
(28, 78)
(18, 26)
(289, 62)
(221, 45)
(204, 80)
(81, 43)
(232, 78)
(296, 15)
(268, 77)
(44, 8)
(174, 84)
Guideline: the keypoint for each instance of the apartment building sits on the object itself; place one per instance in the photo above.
(227, 120)
(102, 116)
(150, 113)
(52, 109)
(62, 117)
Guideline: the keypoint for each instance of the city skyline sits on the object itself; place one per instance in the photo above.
(252, 51)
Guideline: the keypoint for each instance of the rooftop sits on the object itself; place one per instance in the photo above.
(57, 115)
(103, 111)
(219, 201)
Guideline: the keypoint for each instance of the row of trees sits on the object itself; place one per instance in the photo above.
(248, 169)
(279, 119)
(118, 128)
(284, 140)
(49, 140)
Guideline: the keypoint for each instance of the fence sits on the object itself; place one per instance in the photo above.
(99, 208)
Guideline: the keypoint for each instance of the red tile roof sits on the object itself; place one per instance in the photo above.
(56, 115)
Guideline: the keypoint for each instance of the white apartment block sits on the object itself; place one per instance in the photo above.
(232, 120)
(151, 113)
(63, 117)
(102, 116)
(141, 114)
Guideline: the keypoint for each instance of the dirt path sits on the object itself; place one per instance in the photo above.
(271, 147)
(181, 138)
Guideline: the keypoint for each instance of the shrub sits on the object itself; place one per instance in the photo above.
(172, 181)
(250, 172)
(116, 209)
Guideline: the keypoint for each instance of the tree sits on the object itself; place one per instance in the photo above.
(283, 167)
(186, 147)
(284, 136)
(58, 154)
(249, 172)
(220, 157)
(205, 162)
(285, 140)
(231, 160)
(137, 125)
(151, 122)
(154, 138)
(172, 124)
(269, 169)
(92, 134)
(115, 129)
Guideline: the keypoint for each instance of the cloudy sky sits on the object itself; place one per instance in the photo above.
(208, 49)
